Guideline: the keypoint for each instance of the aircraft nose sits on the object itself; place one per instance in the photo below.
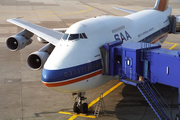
(49, 76)
(46, 75)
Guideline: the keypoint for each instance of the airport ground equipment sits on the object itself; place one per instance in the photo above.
(142, 65)
(99, 106)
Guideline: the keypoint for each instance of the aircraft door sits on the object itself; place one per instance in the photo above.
(128, 67)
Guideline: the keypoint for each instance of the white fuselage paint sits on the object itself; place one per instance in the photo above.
(101, 30)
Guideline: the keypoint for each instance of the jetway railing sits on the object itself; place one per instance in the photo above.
(149, 92)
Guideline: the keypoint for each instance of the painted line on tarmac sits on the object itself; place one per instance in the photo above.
(76, 115)
(174, 45)
(104, 94)
(64, 14)
(97, 99)
(53, 13)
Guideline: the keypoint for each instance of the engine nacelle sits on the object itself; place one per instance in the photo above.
(17, 42)
(37, 59)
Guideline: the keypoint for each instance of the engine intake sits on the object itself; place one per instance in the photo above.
(37, 59)
(19, 41)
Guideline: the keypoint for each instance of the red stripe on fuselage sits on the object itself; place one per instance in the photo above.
(73, 80)
(159, 38)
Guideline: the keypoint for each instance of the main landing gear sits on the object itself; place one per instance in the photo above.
(80, 107)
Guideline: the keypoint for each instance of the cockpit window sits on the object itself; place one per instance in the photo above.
(84, 35)
(73, 37)
(81, 36)
(65, 36)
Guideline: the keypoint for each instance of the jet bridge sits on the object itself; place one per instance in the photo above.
(175, 24)
(141, 64)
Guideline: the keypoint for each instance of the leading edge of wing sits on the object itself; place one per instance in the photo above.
(125, 10)
(49, 35)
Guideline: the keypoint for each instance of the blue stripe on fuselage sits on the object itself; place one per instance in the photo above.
(70, 73)
(156, 34)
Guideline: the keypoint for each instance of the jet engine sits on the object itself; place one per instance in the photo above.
(36, 60)
(19, 41)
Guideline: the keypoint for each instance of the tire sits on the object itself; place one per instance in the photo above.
(84, 108)
(75, 108)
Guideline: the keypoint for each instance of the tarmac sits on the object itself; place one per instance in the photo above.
(22, 94)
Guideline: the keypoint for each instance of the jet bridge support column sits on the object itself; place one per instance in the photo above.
(178, 116)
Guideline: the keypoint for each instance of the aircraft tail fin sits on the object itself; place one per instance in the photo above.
(161, 5)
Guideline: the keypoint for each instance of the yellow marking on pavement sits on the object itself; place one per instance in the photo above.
(50, 12)
(97, 99)
(73, 117)
(104, 94)
(14, 11)
(76, 115)
(171, 43)
(56, 14)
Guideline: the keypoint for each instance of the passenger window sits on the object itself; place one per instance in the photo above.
(81, 70)
(65, 74)
(74, 72)
(88, 68)
(70, 73)
(96, 65)
(78, 71)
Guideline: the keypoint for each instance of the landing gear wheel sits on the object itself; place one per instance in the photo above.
(85, 108)
(75, 108)
(78, 106)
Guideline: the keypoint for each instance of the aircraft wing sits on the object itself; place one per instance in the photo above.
(125, 10)
(49, 35)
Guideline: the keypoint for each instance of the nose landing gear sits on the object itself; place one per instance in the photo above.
(80, 107)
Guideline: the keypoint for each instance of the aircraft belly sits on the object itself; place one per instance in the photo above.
(85, 85)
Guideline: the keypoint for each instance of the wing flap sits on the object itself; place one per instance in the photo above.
(49, 35)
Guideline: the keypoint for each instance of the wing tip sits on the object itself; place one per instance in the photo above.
(18, 18)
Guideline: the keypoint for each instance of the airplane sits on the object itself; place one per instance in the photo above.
(71, 61)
